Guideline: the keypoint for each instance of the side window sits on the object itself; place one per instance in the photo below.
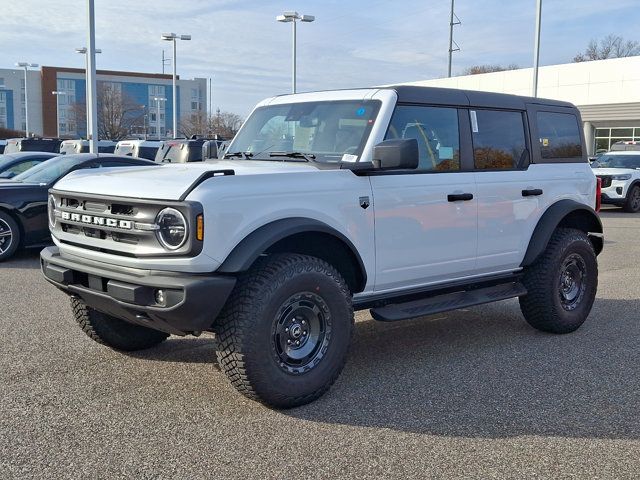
(23, 166)
(498, 139)
(559, 135)
(436, 131)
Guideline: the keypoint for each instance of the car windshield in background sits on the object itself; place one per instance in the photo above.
(49, 170)
(618, 161)
(324, 131)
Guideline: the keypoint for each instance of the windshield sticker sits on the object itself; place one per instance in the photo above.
(349, 158)
(361, 111)
(545, 142)
(474, 121)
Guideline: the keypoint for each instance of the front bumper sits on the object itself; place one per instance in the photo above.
(192, 302)
(612, 198)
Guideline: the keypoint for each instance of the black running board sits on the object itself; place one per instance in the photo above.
(448, 301)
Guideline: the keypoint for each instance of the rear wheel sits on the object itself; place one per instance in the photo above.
(632, 204)
(113, 332)
(562, 284)
(284, 334)
(9, 236)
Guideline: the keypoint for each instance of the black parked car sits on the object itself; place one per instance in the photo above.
(23, 199)
(13, 164)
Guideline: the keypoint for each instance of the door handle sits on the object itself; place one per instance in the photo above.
(531, 192)
(459, 197)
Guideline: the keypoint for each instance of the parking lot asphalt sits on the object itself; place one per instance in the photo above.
(475, 393)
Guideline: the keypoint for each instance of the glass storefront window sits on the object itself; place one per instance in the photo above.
(622, 132)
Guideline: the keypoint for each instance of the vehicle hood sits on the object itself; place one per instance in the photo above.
(615, 171)
(168, 181)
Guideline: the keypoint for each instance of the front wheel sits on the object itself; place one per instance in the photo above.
(284, 334)
(561, 285)
(632, 204)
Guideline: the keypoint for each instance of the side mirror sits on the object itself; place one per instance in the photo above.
(396, 154)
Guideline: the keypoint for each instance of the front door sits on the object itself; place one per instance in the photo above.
(425, 219)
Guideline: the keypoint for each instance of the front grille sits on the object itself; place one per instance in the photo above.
(606, 180)
(118, 226)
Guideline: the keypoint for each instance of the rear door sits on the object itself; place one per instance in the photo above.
(426, 219)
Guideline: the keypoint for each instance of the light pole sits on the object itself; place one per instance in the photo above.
(26, 66)
(158, 100)
(57, 93)
(84, 52)
(172, 37)
(536, 48)
(92, 100)
(293, 17)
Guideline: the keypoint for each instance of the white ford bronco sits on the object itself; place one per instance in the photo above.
(403, 200)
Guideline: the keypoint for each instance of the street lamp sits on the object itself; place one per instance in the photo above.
(57, 93)
(172, 37)
(26, 66)
(293, 17)
(84, 51)
(158, 100)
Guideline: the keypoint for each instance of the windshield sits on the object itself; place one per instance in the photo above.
(5, 160)
(327, 130)
(50, 170)
(617, 161)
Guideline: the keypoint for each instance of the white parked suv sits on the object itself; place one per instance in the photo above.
(619, 173)
(404, 200)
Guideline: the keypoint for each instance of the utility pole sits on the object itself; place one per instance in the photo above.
(536, 47)
(451, 41)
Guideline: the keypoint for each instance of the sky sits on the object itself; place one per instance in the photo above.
(352, 43)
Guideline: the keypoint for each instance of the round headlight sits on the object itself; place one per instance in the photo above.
(52, 211)
(172, 228)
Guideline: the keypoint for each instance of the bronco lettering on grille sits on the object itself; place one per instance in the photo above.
(100, 221)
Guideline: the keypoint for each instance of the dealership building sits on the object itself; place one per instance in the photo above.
(49, 115)
(607, 93)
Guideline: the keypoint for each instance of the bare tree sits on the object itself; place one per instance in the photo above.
(117, 113)
(478, 69)
(611, 46)
(195, 124)
(8, 133)
(223, 124)
(226, 124)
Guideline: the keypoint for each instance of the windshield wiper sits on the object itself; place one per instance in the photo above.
(309, 157)
(243, 155)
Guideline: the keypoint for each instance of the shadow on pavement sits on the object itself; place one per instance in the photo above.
(181, 350)
(486, 373)
(24, 258)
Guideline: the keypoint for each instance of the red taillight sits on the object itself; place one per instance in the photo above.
(598, 193)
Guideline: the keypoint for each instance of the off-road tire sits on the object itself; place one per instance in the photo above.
(545, 307)
(247, 329)
(113, 332)
(632, 204)
(7, 221)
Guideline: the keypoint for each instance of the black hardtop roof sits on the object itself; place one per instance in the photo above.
(454, 96)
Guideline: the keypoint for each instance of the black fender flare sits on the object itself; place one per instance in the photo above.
(256, 243)
(574, 214)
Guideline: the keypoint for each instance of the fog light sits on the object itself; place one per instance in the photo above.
(161, 299)
(619, 190)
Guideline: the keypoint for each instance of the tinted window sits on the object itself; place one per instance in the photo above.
(559, 135)
(147, 152)
(50, 170)
(436, 131)
(23, 166)
(498, 139)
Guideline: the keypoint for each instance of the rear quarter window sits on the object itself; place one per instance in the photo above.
(559, 135)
